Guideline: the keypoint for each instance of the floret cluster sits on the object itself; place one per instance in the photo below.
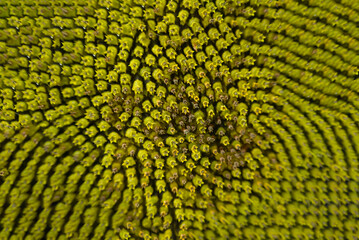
(171, 119)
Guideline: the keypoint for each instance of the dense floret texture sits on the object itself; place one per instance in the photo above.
(193, 119)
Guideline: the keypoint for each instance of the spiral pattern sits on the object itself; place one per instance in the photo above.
(193, 119)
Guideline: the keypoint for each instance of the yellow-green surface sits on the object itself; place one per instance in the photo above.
(179, 119)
